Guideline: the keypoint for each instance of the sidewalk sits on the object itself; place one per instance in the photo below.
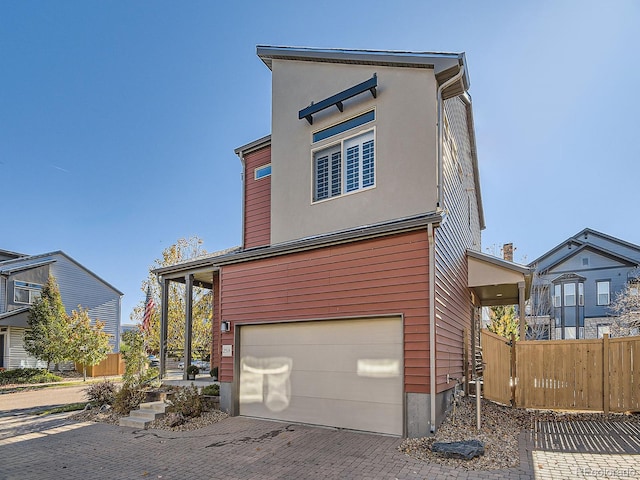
(174, 377)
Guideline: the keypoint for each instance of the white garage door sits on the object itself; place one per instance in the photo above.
(340, 373)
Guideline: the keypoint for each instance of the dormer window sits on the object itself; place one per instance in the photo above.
(345, 167)
(25, 292)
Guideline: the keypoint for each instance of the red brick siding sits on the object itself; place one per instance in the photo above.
(257, 200)
(381, 276)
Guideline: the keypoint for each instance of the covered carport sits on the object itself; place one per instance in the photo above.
(493, 282)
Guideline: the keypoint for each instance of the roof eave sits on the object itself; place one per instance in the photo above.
(439, 61)
(253, 146)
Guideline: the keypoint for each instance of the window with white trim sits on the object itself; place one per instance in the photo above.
(557, 296)
(603, 291)
(345, 167)
(25, 292)
(262, 172)
(569, 294)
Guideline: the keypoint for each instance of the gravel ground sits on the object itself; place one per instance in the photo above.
(500, 427)
(499, 433)
(207, 418)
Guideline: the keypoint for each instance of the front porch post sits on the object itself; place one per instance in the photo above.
(188, 314)
(164, 324)
(521, 299)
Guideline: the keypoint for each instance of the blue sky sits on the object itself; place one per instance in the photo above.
(118, 119)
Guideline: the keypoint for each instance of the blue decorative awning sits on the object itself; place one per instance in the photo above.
(338, 98)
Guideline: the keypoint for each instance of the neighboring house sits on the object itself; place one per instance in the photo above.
(577, 281)
(347, 301)
(21, 280)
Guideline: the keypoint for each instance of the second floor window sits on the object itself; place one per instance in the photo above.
(25, 292)
(346, 167)
(604, 296)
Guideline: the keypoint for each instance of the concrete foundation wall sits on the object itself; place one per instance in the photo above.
(226, 398)
(418, 413)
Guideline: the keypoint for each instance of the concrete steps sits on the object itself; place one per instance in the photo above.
(146, 413)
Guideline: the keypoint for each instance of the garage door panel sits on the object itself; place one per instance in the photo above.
(345, 373)
(346, 386)
(335, 358)
(334, 413)
(325, 333)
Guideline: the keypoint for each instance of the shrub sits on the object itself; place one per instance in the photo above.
(127, 399)
(193, 370)
(213, 389)
(187, 402)
(103, 393)
(214, 372)
(27, 375)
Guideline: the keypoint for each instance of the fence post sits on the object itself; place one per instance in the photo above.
(605, 373)
(513, 369)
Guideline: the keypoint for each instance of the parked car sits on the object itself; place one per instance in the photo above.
(154, 361)
(201, 364)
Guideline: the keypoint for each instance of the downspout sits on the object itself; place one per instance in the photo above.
(432, 266)
(440, 138)
(242, 177)
(432, 328)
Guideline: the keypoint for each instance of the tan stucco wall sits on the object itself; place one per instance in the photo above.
(405, 130)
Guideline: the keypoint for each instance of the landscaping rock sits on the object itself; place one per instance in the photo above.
(175, 419)
(466, 449)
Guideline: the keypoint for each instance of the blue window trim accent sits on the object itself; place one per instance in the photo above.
(354, 122)
(262, 172)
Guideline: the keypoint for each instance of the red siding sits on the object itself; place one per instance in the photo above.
(257, 200)
(381, 276)
(216, 348)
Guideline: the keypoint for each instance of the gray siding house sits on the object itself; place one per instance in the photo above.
(21, 279)
(576, 282)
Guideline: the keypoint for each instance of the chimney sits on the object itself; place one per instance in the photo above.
(507, 252)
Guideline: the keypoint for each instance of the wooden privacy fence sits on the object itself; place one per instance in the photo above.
(497, 372)
(112, 365)
(600, 375)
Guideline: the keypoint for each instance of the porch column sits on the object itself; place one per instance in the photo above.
(164, 324)
(521, 299)
(188, 314)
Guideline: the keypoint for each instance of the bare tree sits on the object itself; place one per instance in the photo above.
(538, 309)
(625, 308)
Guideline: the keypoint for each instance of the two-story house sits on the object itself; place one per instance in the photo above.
(21, 280)
(346, 303)
(577, 280)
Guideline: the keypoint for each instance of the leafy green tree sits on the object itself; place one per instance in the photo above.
(504, 321)
(183, 250)
(88, 344)
(47, 336)
(133, 352)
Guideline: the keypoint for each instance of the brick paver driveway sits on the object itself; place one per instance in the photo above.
(236, 448)
(586, 449)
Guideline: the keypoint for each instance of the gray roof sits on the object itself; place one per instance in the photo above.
(31, 261)
(9, 253)
(576, 240)
(15, 318)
